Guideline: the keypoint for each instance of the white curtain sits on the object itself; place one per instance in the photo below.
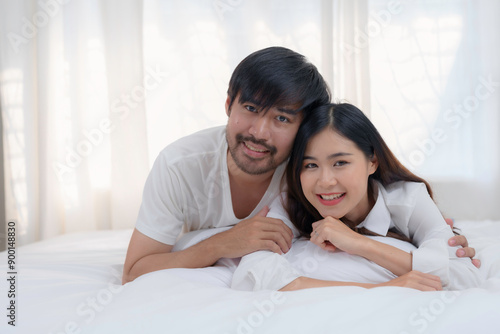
(91, 91)
(73, 87)
(435, 96)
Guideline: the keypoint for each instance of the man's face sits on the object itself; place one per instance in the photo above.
(260, 140)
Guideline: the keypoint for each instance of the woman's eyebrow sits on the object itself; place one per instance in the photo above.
(339, 154)
(331, 156)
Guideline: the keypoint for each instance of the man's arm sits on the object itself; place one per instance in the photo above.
(146, 255)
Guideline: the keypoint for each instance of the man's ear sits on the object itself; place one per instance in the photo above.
(372, 168)
(228, 102)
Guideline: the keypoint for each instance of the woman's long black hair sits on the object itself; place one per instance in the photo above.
(350, 122)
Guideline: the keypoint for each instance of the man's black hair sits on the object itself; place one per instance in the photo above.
(279, 77)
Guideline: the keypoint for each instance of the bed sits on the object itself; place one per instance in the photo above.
(71, 284)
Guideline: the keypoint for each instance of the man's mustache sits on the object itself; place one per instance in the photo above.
(272, 149)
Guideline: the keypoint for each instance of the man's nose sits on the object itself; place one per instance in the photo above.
(260, 128)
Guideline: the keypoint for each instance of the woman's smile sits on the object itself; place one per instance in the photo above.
(331, 198)
(334, 176)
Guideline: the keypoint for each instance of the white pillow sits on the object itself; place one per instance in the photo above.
(312, 261)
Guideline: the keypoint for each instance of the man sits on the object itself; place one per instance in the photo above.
(227, 176)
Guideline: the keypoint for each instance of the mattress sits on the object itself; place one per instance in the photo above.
(72, 284)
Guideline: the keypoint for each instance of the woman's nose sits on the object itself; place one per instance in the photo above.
(327, 178)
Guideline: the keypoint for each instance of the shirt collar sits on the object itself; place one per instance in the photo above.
(378, 219)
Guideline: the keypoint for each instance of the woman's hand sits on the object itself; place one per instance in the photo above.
(330, 233)
(416, 280)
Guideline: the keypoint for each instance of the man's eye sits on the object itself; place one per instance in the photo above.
(282, 119)
(251, 108)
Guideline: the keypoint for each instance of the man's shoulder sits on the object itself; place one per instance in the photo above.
(199, 144)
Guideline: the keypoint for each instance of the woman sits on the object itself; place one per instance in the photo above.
(346, 190)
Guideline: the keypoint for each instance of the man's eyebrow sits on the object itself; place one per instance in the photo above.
(285, 110)
(288, 111)
(331, 156)
(251, 101)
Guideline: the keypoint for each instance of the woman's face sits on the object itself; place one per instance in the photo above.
(334, 176)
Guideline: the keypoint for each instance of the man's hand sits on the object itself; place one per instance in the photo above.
(460, 240)
(254, 234)
(466, 251)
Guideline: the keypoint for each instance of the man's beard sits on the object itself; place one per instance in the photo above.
(249, 168)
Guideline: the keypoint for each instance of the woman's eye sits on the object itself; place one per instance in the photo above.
(310, 165)
(340, 163)
(282, 119)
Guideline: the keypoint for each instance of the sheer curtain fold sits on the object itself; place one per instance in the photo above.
(73, 103)
(129, 82)
(18, 88)
(351, 55)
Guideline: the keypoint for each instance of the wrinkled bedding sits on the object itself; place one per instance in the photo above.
(71, 284)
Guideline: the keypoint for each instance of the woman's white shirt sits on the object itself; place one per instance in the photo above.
(405, 206)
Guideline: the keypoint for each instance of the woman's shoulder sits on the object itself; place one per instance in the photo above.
(402, 192)
(401, 199)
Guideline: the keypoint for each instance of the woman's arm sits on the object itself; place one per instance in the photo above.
(430, 233)
(392, 258)
(331, 233)
(413, 279)
(266, 270)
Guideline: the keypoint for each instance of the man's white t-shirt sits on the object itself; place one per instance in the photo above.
(188, 188)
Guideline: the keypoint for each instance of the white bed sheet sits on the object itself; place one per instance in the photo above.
(71, 284)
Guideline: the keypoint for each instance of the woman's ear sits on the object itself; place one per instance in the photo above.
(372, 164)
